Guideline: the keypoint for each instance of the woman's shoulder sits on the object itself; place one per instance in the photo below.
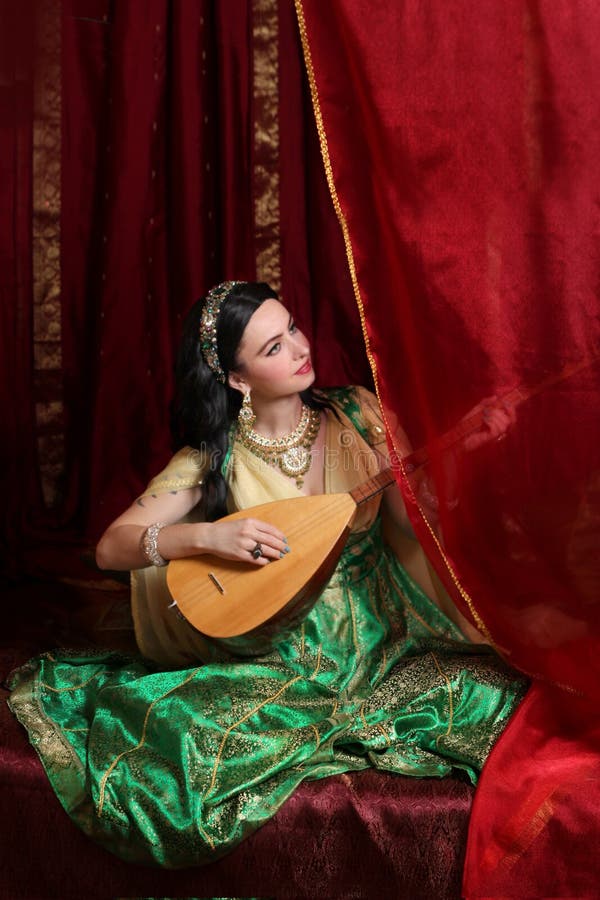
(361, 407)
(186, 469)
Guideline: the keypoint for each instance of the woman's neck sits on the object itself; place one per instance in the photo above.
(276, 418)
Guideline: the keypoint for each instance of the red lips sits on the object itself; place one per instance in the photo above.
(305, 369)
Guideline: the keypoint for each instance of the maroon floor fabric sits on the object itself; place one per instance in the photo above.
(364, 835)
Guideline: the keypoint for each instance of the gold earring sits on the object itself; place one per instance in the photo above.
(246, 416)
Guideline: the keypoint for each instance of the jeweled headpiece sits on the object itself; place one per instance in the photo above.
(208, 326)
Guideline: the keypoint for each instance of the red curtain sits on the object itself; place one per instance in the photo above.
(16, 384)
(464, 146)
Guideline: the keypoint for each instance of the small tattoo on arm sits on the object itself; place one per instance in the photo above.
(140, 502)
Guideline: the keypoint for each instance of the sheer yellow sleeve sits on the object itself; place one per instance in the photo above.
(185, 470)
(162, 635)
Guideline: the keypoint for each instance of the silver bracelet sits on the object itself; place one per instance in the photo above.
(149, 545)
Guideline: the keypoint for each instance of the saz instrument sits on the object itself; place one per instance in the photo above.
(244, 608)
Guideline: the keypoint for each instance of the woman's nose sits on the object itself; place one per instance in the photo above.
(301, 345)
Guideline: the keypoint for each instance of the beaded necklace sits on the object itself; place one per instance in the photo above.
(291, 452)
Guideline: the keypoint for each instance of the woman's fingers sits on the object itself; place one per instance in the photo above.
(498, 422)
(498, 416)
(272, 541)
(249, 540)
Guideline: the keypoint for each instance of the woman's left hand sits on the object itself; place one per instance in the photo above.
(496, 417)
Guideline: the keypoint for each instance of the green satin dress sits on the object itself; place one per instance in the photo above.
(176, 767)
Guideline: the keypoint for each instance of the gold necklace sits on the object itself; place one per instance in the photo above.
(291, 452)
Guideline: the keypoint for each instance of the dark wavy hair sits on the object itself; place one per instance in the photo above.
(203, 409)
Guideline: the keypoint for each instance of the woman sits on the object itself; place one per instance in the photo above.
(176, 759)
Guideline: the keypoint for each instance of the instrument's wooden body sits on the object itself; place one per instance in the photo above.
(242, 606)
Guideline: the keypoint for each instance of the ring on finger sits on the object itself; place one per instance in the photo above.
(256, 552)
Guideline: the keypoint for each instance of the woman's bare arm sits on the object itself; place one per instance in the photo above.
(119, 546)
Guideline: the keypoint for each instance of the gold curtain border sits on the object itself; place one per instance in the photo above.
(46, 272)
(314, 93)
(265, 174)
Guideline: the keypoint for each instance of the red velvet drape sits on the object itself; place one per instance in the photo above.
(464, 146)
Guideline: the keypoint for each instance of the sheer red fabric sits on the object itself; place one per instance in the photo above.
(464, 147)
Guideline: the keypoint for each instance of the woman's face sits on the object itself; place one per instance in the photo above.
(273, 356)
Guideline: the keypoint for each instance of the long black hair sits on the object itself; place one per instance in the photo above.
(203, 409)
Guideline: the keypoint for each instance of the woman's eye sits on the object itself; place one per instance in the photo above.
(274, 349)
(293, 328)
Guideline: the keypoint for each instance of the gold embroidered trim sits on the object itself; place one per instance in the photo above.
(376, 725)
(318, 665)
(171, 484)
(317, 736)
(450, 699)
(529, 833)
(265, 176)
(75, 687)
(45, 226)
(206, 836)
(358, 297)
(362, 714)
(384, 733)
(142, 740)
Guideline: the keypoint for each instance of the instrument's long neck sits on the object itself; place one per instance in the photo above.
(372, 487)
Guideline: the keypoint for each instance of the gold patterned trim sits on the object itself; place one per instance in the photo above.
(317, 736)
(73, 687)
(318, 665)
(45, 225)
(361, 713)
(532, 830)
(358, 297)
(450, 699)
(265, 175)
(384, 733)
(49, 741)
(206, 837)
(376, 725)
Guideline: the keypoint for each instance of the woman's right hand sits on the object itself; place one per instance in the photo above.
(238, 538)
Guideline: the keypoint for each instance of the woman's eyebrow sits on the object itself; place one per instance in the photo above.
(275, 338)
